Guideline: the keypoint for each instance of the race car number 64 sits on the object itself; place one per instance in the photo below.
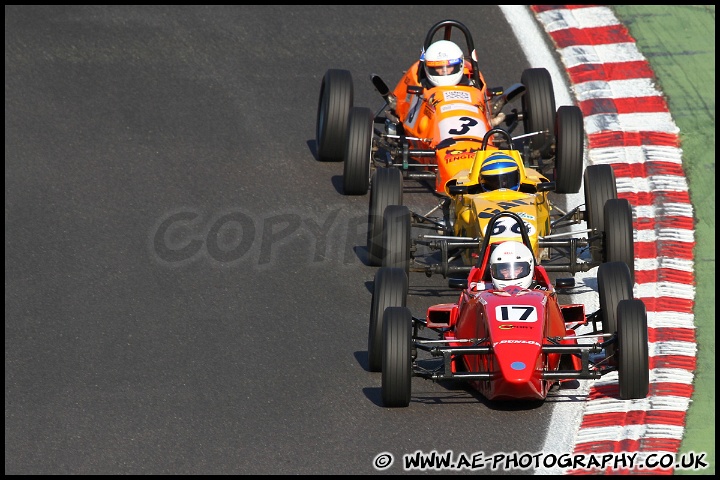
(516, 313)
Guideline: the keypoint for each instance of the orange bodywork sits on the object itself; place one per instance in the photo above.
(439, 114)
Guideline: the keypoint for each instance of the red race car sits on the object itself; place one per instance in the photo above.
(507, 334)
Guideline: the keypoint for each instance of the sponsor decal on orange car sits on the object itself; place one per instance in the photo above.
(459, 106)
(457, 95)
(459, 155)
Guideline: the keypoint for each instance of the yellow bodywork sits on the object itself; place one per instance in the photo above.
(473, 211)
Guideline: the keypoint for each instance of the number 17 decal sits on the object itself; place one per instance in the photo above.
(516, 313)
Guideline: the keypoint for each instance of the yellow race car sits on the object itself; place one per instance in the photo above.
(498, 181)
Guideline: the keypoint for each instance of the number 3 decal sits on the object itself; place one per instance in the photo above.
(467, 124)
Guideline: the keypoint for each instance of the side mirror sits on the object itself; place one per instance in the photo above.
(458, 283)
(458, 189)
(414, 90)
(562, 283)
(384, 90)
(380, 85)
(495, 91)
(513, 92)
(546, 187)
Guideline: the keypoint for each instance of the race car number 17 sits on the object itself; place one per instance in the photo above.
(516, 313)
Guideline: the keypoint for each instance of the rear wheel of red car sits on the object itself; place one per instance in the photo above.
(397, 357)
(570, 148)
(599, 185)
(632, 350)
(619, 245)
(614, 285)
(358, 149)
(390, 289)
(386, 188)
(538, 104)
(336, 100)
(396, 237)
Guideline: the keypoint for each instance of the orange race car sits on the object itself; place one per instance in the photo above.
(435, 119)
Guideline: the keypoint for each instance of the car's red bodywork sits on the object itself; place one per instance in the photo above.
(513, 343)
(514, 323)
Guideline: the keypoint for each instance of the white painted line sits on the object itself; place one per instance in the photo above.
(563, 19)
(665, 289)
(630, 432)
(616, 89)
(667, 210)
(635, 155)
(630, 122)
(663, 262)
(610, 53)
(665, 235)
(664, 402)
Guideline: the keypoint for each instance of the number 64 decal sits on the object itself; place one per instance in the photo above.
(516, 313)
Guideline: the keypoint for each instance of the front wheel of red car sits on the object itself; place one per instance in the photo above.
(569, 149)
(390, 289)
(633, 360)
(397, 357)
(358, 149)
(336, 100)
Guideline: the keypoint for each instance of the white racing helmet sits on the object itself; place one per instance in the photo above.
(511, 263)
(443, 62)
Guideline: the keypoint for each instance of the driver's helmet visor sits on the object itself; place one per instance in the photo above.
(510, 270)
(509, 179)
(442, 68)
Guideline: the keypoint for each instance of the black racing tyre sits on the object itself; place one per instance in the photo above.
(569, 149)
(386, 188)
(358, 149)
(618, 244)
(599, 187)
(396, 237)
(614, 285)
(390, 289)
(538, 104)
(397, 357)
(336, 100)
(633, 357)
